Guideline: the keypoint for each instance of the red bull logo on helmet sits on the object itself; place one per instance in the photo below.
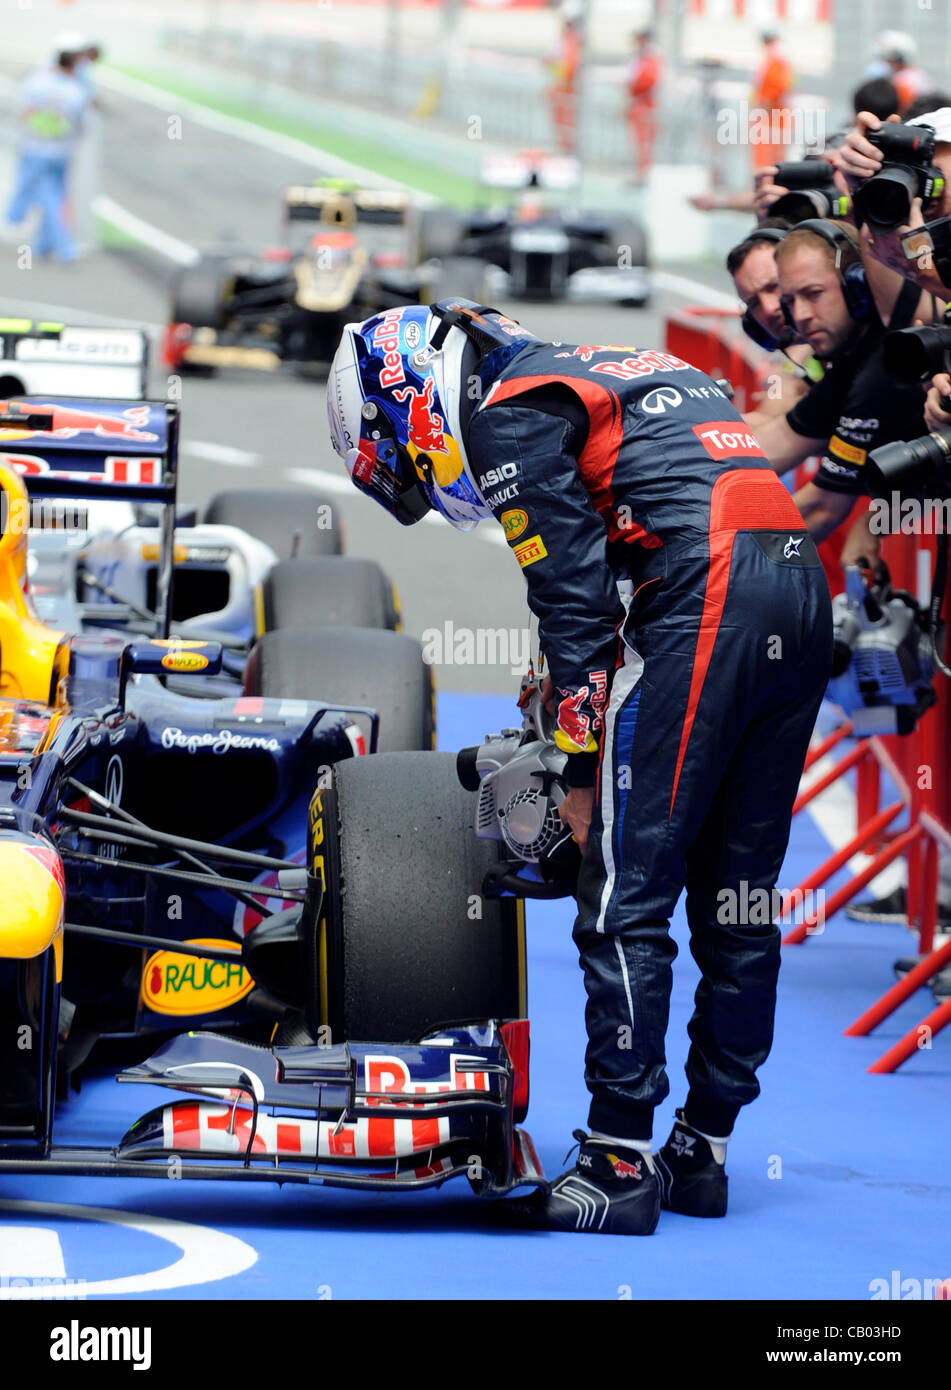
(386, 340)
(426, 429)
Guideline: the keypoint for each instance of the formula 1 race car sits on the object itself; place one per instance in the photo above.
(544, 249)
(372, 1031)
(346, 252)
(38, 358)
(262, 572)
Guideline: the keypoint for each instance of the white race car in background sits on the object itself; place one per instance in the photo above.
(39, 358)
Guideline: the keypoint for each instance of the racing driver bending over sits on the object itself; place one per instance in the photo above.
(686, 717)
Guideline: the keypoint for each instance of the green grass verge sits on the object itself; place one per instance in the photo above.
(455, 189)
(113, 238)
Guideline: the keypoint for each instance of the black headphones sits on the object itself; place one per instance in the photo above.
(751, 326)
(852, 277)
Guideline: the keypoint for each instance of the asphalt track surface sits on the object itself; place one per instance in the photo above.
(837, 1178)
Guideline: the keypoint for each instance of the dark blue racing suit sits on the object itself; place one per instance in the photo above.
(691, 712)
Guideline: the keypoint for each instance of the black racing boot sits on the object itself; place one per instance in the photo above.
(892, 908)
(610, 1191)
(692, 1181)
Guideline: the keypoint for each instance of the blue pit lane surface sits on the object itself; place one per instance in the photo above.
(837, 1178)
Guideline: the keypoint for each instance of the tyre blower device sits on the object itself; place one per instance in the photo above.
(887, 648)
(882, 661)
(519, 777)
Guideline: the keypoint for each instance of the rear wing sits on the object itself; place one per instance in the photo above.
(317, 203)
(39, 356)
(530, 169)
(69, 447)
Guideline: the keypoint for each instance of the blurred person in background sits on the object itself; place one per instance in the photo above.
(86, 174)
(643, 83)
(928, 101)
(879, 95)
(899, 53)
(770, 94)
(563, 92)
(53, 100)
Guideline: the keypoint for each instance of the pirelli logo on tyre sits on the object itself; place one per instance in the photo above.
(529, 551)
(850, 452)
(728, 439)
(514, 523)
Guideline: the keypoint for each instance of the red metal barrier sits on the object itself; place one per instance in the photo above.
(918, 763)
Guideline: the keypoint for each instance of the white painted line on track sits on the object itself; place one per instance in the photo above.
(68, 313)
(206, 1254)
(30, 1252)
(334, 482)
(691, 289)
(168, 246)
(322, 481)
(211, 119)
(219, 453)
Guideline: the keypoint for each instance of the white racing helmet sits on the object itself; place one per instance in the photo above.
(398, 398)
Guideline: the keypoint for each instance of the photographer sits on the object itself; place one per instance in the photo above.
(827, 298)
(752, 266)
(899, 175)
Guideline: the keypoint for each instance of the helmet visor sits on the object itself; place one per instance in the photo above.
(370, 468)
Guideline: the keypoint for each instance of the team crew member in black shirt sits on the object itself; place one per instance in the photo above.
(857, 405)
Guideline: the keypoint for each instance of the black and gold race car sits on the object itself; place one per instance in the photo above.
(345, 253)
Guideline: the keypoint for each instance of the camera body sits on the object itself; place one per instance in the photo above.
(884, 199)
(917, 467)
(917, 354)
(811, 191)
(882, 664)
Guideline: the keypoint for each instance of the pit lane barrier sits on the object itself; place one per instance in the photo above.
(700, 335)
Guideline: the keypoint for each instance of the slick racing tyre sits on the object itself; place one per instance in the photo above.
(290, 520)
(328, 591)
(351, 666)
(462, 277)
(411, 944)
(440, 231)
(628, 233)
(200, 293)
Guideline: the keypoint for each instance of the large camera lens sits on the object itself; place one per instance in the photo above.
(884, 201)
(803, 174)
(801, 206)
(911, 468)
(917, 354)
